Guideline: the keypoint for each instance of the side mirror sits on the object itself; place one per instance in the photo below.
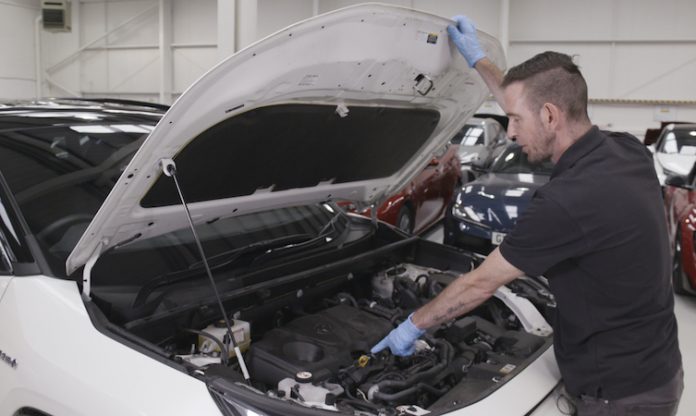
(677, 181)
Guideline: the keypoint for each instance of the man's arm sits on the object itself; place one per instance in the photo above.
(493, 77)
(462, 295)
(464, 37)
(467, 291)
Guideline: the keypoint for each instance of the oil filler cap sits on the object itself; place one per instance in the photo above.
(303, 377)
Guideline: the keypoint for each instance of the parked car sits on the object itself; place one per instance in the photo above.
(485, 210)
(210, 273)
(422, 202)
(680, 206)
(675, 150)
(476, 140)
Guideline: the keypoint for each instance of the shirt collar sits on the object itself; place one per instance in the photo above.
(584, 145)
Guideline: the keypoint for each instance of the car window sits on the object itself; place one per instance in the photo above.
(469, 135)
(499, 136)
(6, 254)
(679, 141)
(13, 247)
(513, 160)
(473, 136)
(60, 176)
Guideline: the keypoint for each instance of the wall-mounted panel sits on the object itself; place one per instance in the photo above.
(595, 62)
(655, 71)
(190, 64)
(144, 30)
(655, 19)
(561, 20)
(194, 21)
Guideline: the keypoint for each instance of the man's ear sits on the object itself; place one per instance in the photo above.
(550, 115)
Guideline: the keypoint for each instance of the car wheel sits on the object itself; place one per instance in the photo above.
(679, 278)
(405, 219)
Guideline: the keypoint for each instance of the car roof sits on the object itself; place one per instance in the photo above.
(26, 114)
(680, 126)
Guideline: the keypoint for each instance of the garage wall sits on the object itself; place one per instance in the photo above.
(114, 48)
(17, 70)
(638, 57)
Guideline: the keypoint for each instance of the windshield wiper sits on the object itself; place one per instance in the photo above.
(219, 260)
(324, 236)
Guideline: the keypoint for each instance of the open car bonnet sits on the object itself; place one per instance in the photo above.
(348, 105)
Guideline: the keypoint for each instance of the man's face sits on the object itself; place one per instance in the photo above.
(525, 125)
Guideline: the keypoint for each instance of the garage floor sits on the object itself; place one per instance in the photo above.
(685, 309)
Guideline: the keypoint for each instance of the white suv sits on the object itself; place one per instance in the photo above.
(210, 272)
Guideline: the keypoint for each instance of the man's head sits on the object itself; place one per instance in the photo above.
(546, 100)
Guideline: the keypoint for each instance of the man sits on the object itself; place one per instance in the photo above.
(597, 231)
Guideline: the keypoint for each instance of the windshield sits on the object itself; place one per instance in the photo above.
(269, 233)
(679, 141)
(60, 176)
(513, 160)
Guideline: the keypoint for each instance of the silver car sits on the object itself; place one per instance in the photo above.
(674, 153)
(476, 140)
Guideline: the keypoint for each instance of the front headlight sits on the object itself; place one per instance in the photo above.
(466, 213)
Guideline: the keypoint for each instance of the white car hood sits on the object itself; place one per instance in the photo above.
(347, 105)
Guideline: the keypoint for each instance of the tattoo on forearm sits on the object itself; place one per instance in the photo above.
(451, 312)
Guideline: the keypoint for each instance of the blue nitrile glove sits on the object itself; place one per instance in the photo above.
(464, 37)
(400, 340)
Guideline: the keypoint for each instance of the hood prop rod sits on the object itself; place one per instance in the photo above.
(169, 169)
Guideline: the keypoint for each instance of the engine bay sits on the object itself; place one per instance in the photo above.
(318, 355)
(291, 325)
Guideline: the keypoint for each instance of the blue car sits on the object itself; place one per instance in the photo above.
(485, 210)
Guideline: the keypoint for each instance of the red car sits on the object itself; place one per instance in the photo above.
(680, 204)
(422, 203)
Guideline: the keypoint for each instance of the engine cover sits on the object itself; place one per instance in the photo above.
(319, 343)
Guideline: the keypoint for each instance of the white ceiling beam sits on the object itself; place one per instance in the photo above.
(246, 18)
(505, 26)
(165, 51)
(226, 22)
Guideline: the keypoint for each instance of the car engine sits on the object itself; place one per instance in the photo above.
(319, 355)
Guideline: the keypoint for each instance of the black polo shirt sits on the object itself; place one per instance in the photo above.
(598, 232)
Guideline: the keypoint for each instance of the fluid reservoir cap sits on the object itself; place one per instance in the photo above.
(221, 323)
(303, 377)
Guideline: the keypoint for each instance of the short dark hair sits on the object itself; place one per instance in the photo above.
(552, 77)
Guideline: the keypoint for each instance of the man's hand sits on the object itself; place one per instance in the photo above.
(400, 340)
(464, 37)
